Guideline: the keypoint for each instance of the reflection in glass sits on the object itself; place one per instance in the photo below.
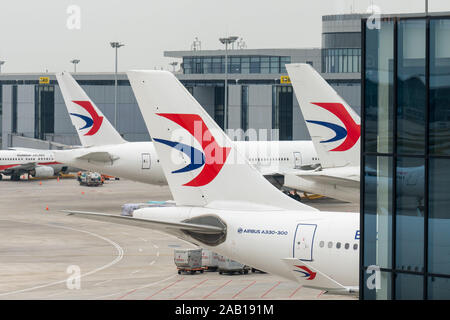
(244, 108)
(438, 288)
(378, 211)
(410, 214)
(411, 103)
(440, 87)
(439, 217)
(384, 292)
(379, 82)
(408, 287)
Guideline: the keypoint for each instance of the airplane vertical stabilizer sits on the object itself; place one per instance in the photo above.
(334, 126)
(201, 164)
(92, 126)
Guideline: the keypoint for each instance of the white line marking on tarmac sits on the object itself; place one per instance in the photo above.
(56, 294)
(102, 282)
(152, 263)
(116, 260)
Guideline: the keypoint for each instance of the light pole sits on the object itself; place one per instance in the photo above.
(226, 41)
(75, 62)
(1, 63)
(115, 45)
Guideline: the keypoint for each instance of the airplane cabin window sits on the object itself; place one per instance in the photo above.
(338, 245)
(330, 244)
(321, 244)
(355, 246)
(347, 245)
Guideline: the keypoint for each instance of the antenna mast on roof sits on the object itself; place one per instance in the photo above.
(196, 45)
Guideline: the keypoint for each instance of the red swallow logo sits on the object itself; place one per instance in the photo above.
(215, 155)
(353, 129)
(307, 273)
(95, 122)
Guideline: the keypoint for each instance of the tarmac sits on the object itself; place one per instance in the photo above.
(43, 250)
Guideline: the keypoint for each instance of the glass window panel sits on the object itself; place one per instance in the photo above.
(355, 64)
(408, 287)
(439, 216)
(438, 288)
(370, 291)
(378, 211)
(265, 64)
(440, 86)
(350, 63)
(216, 65)
(345, 64)
(245, 67)
(235, 66)
(411, 87)
(409, 214)
(255, 65)
(244, 108)
(379, 88)
(274, 64)
(207, 65)
(331, 69)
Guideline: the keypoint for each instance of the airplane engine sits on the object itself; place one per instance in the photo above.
(42, 171)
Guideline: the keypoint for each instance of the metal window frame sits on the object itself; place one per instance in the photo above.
(425, 155)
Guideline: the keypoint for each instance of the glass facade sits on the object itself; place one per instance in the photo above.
(244, 108)
(282, 109)
(14, 109)
(45, 110)
(341, 60)
(236, 64)
(219, 103)
(405, 221)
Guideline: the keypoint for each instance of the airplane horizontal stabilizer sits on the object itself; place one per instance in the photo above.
(146, 223)
(325, 178)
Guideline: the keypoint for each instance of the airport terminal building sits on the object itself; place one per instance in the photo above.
(258, 98)
(405, 217)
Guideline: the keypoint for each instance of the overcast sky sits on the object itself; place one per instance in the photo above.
(34, 35)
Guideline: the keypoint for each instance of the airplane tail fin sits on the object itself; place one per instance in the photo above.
(92, 126)
(201, 164)
(334, 126)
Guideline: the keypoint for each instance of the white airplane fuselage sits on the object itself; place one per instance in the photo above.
(138, 161)
(17, 162)
(326, 241)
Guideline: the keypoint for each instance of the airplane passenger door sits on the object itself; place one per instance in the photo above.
(303, 241)
(146, 161)
(297, 160)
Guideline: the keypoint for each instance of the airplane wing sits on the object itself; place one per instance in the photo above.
(313, 278)
(21, 167)
(98, 156)
(149, 224)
